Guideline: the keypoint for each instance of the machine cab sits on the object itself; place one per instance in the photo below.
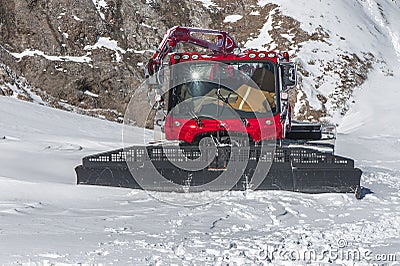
(249, 84)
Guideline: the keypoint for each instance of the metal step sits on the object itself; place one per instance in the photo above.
(304, 131)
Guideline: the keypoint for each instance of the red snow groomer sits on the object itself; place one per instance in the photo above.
(246, 119)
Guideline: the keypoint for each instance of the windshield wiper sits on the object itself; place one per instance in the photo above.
(222, 98)
(195, 117)
(226, 100)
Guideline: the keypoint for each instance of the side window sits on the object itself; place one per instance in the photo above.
(265, 79)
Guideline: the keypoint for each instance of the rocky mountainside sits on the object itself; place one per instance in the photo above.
(88, 55)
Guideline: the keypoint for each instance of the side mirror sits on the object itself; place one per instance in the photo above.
(289, 75)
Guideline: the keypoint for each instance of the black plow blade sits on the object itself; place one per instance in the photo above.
(294, 169)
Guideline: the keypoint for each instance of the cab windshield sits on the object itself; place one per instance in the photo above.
(235, 85)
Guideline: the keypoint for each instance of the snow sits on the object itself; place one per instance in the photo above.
(263, 38)
(105, 42)
(21, 87)
(108, 43)
(139, 51)
(374, 119)
(207, 3)
(76, 18)
(232, 18)
(28, 52)
(91, 94)
(387, 20)
(100, 4)
(148, 26)
(262, 3)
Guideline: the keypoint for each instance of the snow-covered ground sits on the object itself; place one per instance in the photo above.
(46, 219)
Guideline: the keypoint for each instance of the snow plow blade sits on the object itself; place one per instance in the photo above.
(292, 169)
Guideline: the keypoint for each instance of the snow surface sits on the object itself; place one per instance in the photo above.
(232, 18)
(76, 18)
(78, 59)
(254, 13)
(91, 94)
(100, 4)
(263, 38)
(108, 43)
(207, 3)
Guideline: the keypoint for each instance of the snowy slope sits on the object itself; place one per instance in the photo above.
(45, 218)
